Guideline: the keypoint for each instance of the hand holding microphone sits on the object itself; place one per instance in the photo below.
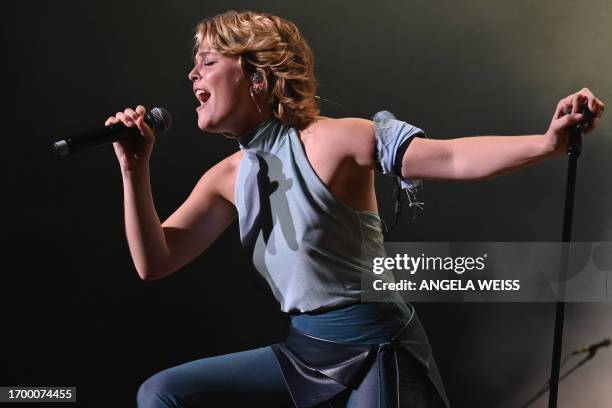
(133, 151)
(131, 131)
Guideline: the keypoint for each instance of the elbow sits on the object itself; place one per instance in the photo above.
(146, 276)
(151, 274)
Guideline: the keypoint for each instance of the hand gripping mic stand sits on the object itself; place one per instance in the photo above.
(574, 144)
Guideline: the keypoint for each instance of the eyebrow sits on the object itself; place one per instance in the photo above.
(203, 53)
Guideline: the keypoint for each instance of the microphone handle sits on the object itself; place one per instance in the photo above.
(95, 137)
(92, 138)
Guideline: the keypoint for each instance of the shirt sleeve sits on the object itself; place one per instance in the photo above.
(392, 137)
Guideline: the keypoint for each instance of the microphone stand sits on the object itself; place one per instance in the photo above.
(574, 144)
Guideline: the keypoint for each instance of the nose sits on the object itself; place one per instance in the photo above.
(193, 74)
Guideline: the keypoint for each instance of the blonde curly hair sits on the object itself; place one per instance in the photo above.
(274, 48)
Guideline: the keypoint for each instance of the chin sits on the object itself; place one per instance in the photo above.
(216, 124)
(206, 124)
(204, 127)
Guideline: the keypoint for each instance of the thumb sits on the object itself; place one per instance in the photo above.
(568, 120)
(145, 129)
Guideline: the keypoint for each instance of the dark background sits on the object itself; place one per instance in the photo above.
(75, 310)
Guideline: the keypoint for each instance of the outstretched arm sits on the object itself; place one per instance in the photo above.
(481, 157)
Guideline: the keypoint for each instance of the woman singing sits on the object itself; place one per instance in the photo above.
(302, 188)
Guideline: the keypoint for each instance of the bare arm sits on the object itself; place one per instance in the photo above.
(199, 221)
(160, 249)
(472, 158)
(480, 157)
(468, 158)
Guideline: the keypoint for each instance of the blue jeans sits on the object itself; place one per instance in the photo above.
(245, 378)
(253, 378)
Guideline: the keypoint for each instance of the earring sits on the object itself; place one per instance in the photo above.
(257, 80)
(256, 77)
(254, 101)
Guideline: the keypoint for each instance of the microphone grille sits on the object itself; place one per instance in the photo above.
(159, 119)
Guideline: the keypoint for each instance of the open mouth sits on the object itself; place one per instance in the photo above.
(202, 95)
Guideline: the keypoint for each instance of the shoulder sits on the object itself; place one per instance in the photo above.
(341, 128)
(345, 137)
(226, 167)
(221, 178)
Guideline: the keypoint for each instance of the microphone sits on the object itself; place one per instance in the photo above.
(592, 349)
(159, 119)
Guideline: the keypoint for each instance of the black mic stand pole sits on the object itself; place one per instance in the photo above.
(574, 143)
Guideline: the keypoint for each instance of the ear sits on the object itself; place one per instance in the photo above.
(257, 81)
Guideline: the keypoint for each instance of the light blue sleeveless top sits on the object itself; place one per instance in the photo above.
(311, 248)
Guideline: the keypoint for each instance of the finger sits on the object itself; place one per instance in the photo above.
(141, 110)
(589, 98)
(125, 119)
(131, 114)
(111, 121)
(145, 130)
(586, 92)
(568, 120)
(592, 104)
(562, 108)
(599, 110)
(577, 102)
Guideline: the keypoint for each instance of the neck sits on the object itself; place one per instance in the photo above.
(250, 122)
